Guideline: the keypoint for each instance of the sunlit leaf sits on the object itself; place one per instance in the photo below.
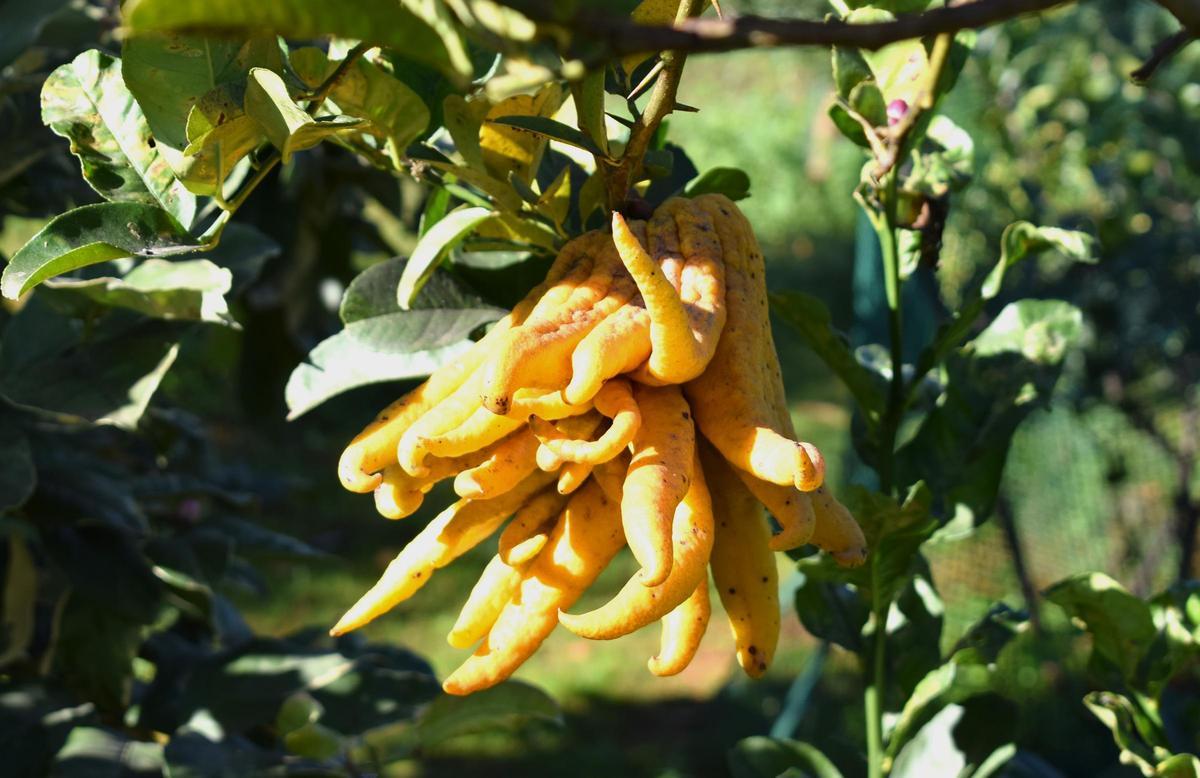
(392, 110)
(170, 73)
(432, 247)
(92, 234)
(509, 706)
(189, 290)
(1121, 625)
(729, 181)
(289, 128)
(422, 31)
(86, 102)
(1022, 239)
(91, 752)
(765, 757)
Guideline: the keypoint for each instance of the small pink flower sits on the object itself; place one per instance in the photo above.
(896, 111)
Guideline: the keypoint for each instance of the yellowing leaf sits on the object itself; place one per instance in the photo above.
(507, 149)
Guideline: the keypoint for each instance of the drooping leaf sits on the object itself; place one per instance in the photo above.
(986, 638)
(422, 31)
(992, 384)
(94, 652)
(372, 293)
(1022, 239)
(943, 688)
(552, 130)
(765, 757)
(464, 118)
(41, 362)
(189, 290)
(343, 362)
(365, 91)
(289, 128)
(86, 102)
(18, 619)
(93, 752)
(91, 234)
(832, 610)
(809, 316)
(729, 181)
(1121, 625)
(849, 70)
(432, 247)
(18, 476)
(1121, 716)
(507, 149)
(169, 73)
(509, 706)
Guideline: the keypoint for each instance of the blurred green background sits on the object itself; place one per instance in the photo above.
(1104, 480)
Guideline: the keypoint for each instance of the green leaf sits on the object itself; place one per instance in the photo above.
(1121, 625)
(831, 610)
(41, 361)
(314, 741)
(946, 168)
(94, 651)
(289, 128)
(588, 95)
(554, 130)
(18, 476)
(732, 182)
(86, 102)
(1179, 766)
(297, 711)
(510, 706)
(849, 70)
(464, 118)
(192, 290)
(18, 619)
(1022, 239)
(392, 110)
(381, 342)
(169, 74)
(992, 384)
(765, 757)
(813, 321)
(433, 245)
(92, 234)
(344, 362)
(986, 638)
(92, 752)
(422, 31)
(942, 689)
(1121, 717)
(372, 293)
(899, 68)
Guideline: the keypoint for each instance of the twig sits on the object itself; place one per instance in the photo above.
(1012, 538)
(618, 36)
(898, 135)
(1163, 51)
(660, 104)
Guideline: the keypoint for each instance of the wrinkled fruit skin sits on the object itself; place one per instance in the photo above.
(633, 398)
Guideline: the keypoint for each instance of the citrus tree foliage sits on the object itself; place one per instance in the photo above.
(524, 132)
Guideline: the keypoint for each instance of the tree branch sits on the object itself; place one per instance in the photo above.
(619, 36)
(661, 103)
(1163, 51)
